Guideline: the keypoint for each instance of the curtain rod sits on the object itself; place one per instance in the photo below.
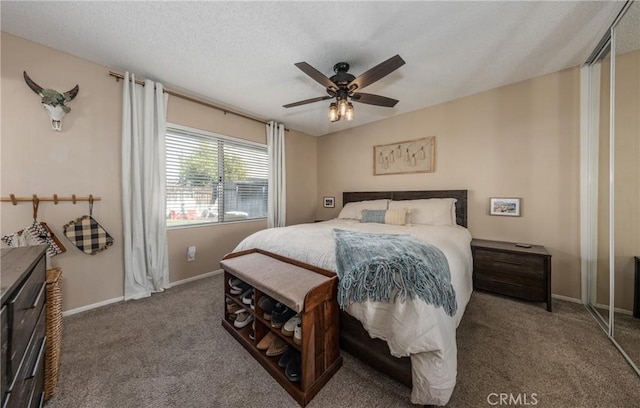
(195, 100)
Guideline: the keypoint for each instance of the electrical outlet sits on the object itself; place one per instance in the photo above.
(191, 254)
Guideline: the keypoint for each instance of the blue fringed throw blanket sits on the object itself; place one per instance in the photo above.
(384, 267)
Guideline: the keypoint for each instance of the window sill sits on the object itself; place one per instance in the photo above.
(212, 224)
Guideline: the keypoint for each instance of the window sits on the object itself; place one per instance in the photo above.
(213, 178)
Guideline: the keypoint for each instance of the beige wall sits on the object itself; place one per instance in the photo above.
(85, 159)
(82, 159)
(520, 140)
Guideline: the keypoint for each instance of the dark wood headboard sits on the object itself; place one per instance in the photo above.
(460, 195)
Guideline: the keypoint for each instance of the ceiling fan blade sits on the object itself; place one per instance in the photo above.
(371, 99)
(306, 101)
(379, 71)
(316, 75)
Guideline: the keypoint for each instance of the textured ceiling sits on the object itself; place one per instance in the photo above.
(242, 54)
(628, 30)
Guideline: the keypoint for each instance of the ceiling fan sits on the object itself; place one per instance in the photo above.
(344, 86)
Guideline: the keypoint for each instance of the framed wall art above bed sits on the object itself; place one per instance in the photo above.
(411, 156)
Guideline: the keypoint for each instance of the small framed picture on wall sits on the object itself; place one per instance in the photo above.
(505, 206)
(329, 202)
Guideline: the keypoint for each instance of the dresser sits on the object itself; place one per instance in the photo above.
(23, 286)
(508, 269)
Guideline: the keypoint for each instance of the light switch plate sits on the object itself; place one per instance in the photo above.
(191, 254)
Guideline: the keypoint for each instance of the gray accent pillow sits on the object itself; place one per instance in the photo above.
(376, 216)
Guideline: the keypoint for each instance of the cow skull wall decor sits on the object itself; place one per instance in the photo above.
(53, 101)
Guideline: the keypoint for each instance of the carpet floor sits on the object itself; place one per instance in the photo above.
(170, 350)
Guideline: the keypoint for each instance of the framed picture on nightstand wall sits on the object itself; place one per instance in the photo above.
(329, 202)
(505, 206)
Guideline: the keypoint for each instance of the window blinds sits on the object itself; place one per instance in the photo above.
(212, 178)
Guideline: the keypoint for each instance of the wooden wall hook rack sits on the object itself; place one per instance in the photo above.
(55, 198)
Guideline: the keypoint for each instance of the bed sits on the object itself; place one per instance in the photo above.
(425, 360)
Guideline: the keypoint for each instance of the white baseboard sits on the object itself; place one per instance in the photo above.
(193, 278)
(616, 309)
(121, 298)
(567, 298)
(598, 305)
(92, 306)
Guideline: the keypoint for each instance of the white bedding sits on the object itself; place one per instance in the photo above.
(413, 328)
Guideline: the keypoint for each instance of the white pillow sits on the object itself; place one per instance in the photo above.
(354, 210)
(432, 211)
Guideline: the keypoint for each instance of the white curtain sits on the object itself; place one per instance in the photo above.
(146, 265)
(277, 203)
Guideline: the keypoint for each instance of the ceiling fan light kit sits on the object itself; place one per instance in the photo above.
(344, 85)
(333, 112)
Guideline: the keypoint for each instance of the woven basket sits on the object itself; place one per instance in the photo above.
(54, 331)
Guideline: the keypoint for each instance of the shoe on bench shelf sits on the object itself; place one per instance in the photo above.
(243, 318)
(266, 341)
(247, 296)
(233, 307)
(237, 286)
(297, 334)
(280, 315)
(278, 347)
(293, 370)
(289, 327)
(267, 304)
(288, 354)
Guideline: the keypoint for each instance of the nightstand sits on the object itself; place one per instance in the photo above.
(504, 268)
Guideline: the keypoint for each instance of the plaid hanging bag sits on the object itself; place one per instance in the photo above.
(86, 234)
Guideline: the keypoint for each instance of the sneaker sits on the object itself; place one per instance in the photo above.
(290, 326)
(266, 304)
(266, 341)
(243, 318)
(234, 282)
(277, 347)
(239, 288)
(252, 331)
(233, 307)
(293, 370)
(280, 315)
(297, 334)
(247, 296)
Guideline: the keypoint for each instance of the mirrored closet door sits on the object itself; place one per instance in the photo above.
(612, 177)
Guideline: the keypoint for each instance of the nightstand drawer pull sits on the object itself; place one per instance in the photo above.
(506, 283)
(509, 262)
